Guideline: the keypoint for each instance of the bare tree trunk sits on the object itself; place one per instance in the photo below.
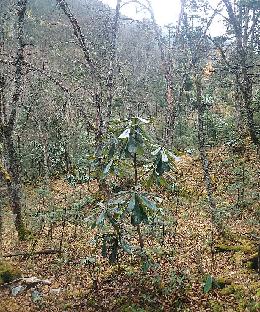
(202, 150)
(244, 80)
(111, 74)
(205, 164)
(166, 59)
(138, 227)
(14, 187)
(239, 109)
(246, 90)
(1, 227)
(167, 71)
(78, 34)
(4, 177)
(44, 142)
(90, 64)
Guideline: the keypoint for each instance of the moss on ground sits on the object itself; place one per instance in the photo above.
(223, 282)
(252, 262)
(235, 248)
(7, 272)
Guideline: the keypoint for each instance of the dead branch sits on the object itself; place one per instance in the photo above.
(28, 254)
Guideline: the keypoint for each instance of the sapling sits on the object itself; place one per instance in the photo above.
(130, 155)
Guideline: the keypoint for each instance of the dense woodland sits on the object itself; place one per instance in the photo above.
(129, 157)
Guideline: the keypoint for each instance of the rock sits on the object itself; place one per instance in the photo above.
(36, 296)
(55, 291)
(17, 289)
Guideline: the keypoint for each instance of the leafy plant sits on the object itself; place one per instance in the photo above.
(130, 154)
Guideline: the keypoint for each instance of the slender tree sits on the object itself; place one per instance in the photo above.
(8, 122)
(112, 65)
(243, 18)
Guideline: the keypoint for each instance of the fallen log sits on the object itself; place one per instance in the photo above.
(41, 252)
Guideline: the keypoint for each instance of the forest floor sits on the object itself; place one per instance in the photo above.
(194, 266)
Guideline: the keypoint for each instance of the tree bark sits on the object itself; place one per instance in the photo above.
(90, 64)
(1, 226)
(13, 185)
(242, 35)
(167, 71)
(111, 74)
(11, 157)
(202, 149)
(246, 90)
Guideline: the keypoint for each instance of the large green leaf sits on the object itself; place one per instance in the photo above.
(147, 202)
(161, 165)
(131, 204)
(208, 284)
(132, 145)
(101, 219)
(112, 150)
(157, 151)
(146, 266)
(126, 247)
(144, 121)
(108, 167)
(125, 134)
(138, 212)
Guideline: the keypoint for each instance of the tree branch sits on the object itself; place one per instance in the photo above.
(78, 34)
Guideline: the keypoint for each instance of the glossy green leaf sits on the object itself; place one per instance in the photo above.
(138, 213)
(208, 284)
(131, 204)
(125, 134)
(127, 248)
(148, 203)
(101, 219)
(132, 145)
(112, 150)
(107, 168)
